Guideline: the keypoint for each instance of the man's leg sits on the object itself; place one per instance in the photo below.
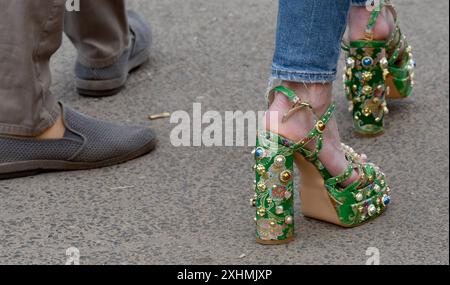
(99, 31)
(52, 136)
(30, 32)
(110, 43)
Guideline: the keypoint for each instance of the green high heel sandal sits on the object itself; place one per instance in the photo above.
(321, 195)
(376, 71)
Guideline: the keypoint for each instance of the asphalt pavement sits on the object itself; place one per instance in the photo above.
(189, 205)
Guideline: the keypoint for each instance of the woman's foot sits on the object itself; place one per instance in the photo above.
(302, 122)
(358, 19)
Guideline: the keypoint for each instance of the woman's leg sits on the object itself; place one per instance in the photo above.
(308, 41)
(359, 17)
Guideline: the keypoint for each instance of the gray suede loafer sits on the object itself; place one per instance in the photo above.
(88, 143)
(108, 81)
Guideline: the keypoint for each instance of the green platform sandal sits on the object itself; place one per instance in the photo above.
(321, 195)
(376, 71)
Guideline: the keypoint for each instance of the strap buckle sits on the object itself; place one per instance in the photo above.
(296, 107)
(292, 97)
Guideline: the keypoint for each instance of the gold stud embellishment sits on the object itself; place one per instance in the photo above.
(320, 126)
(262, 186)
(261, 169)
(388, 190)
(285, 176)
(367, 90)
(349, 74)
(261, 212)
(367, 76)
(385, 74)
(366, 112)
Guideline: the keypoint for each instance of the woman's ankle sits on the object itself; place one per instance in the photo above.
(302, 122)
(318, 95)
(358, 19)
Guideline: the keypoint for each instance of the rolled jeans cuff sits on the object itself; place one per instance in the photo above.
(303, 76)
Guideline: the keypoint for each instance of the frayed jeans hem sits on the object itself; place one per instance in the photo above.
(303, 77)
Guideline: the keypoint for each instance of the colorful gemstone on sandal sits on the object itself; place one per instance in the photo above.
(279, 210)
(280, 160)
(359, 197)
(387, 68)
(386, 200)
(273, 185)
(367, 61)
(372, 210)
(259, 153)
(289, 220)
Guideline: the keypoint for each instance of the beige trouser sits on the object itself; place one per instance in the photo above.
(30, 33)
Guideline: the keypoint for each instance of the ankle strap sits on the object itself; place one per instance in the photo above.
(292, 97)
(375, 13)
(373, 20)
(286, 92)
(315, 134)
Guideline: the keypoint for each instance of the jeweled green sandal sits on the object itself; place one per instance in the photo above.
(376, 71)
(321, 194)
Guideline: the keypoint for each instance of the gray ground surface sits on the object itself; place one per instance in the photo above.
(190, 205)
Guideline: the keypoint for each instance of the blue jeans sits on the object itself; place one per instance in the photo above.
(308, 41)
